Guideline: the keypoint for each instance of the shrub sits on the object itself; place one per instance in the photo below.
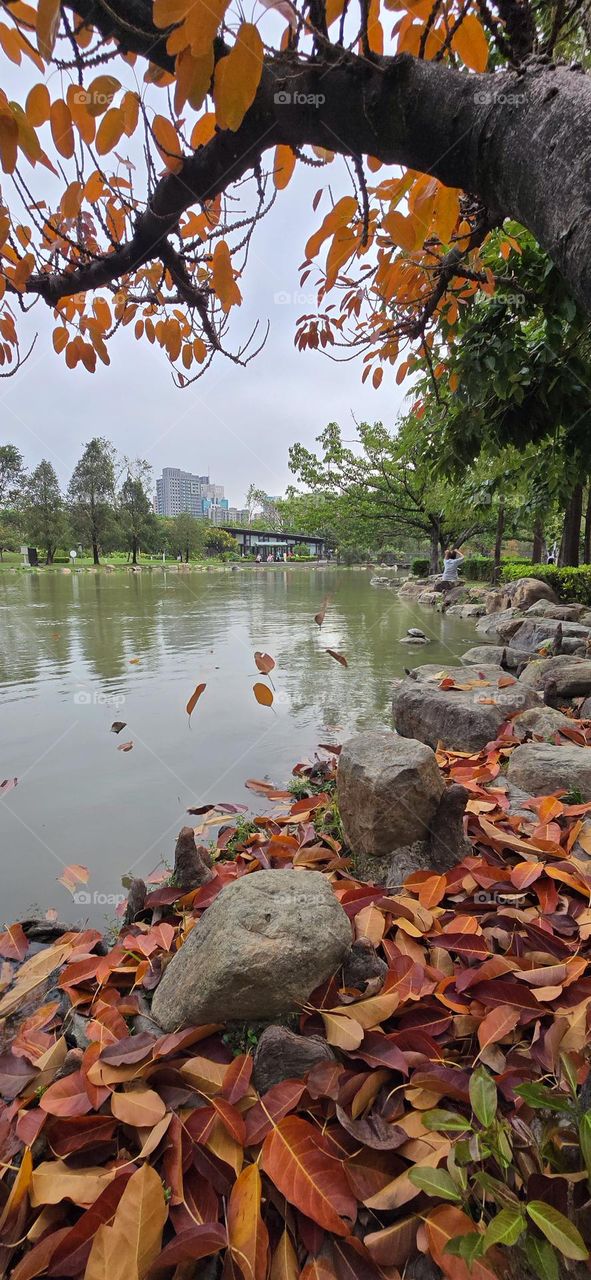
(570, 585)
(477, 568)
(420, 567)
(301, 550)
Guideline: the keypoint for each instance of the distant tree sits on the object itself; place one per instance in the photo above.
(11, 474)
(44, 516)
(136, 517)
(91, 493)
(189, 534)
(218, 541)
(269, 516)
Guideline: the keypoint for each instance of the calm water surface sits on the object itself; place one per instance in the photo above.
(66, 644)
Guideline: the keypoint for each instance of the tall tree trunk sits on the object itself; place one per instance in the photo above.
(434, 555)
(538, 541)
(134, 551)
(95, 552)
(587, 542)
(571, 531)
(187, 554)
(499, 541)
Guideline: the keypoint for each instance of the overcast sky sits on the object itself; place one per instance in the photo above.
(235, 423)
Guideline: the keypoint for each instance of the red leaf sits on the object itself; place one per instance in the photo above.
(299, 1161)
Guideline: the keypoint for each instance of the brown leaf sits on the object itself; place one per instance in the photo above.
(117, 726)
(194, 699)
(126, 1249)
(264, 662)
(339, 657)
(125, 746)
(263, 694)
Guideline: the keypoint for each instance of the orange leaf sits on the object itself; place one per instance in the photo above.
(48, 19)
(400, 230)
(167, 142)
(338, 657)
(193, 700)
(223, 281)
(497, 1024)
(263, 694)
(60, 120)
(471, 43)
(140, 1107)
(237, 78)
(247, 1235)
(111, 128)
(283, 167)
(298, 1160)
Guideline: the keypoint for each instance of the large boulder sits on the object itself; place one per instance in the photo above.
(561, 612)
(542, 722)
(467, 610)
(493, 653)
(525, 591)
(541, 769)
(489, 626)
(462, 719)
(388, 789)
(534, 633)
(257, 952)
(572, 675)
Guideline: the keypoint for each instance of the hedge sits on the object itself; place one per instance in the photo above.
(420, 567)
(569, 584)
(474, 568)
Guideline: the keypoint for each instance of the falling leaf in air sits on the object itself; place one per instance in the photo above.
(7, 785)
(263, 694)
(264, 662)
(125, 746)
(194, 699)
(339, 657)
(74, 874)
(117, 726)
(320, 616)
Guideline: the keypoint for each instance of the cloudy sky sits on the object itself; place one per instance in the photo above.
(234, 423)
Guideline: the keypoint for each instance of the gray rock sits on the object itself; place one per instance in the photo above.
(541, 721)
(464, 720)
(535, 634)
(492, 653)
(283, 1055)
(433, 673)
(414, 640)
(572, 675)
(388, 789)
(467, 610)
(259, 950)
(585, 709)
(541, 769)
(362, 963)
(490, 625)
(561, 612)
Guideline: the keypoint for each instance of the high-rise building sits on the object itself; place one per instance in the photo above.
(178, 491)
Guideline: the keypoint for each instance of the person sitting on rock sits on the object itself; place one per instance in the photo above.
(451, 564)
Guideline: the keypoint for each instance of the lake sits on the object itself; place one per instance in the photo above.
(80, 650)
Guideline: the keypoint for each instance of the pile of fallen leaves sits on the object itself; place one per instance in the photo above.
(451, 1123)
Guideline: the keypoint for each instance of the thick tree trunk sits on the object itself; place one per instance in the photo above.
(134, 551)
(587, 541)
(571, 532)
(499, 541)
(187, 554)
(518, 140)
(538, 541)
(95, 552)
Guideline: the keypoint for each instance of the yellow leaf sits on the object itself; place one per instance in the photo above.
(400, 230)
(38, 105)
(48, 18)
(193, 78)
(71, 200)
(248, 1237)
(60, 120)
(283, 166)
(471, 43)
(224, 284)
(111, 128)
(167, 142)
(339, 216)
(237, 78)
(447, 209)
(126, 1249)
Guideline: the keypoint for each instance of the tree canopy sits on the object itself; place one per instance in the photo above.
(146, 141)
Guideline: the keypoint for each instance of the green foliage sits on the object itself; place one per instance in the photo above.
(219, 541)
(477, 568)
(91, 494)
(570, 584)
(420, 566)
(11, 474)
(44, 516)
